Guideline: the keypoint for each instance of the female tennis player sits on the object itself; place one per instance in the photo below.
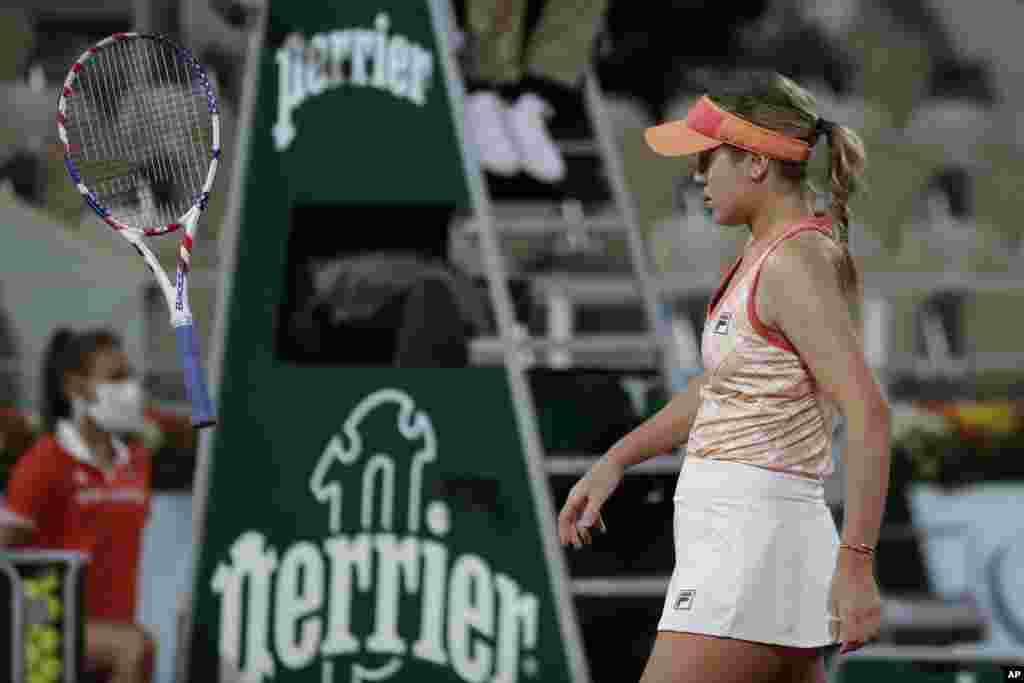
(81, 488)
(762, 583)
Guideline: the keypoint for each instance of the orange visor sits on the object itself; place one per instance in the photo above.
(708, 126)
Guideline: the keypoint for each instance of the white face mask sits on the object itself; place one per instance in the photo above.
(118, 406)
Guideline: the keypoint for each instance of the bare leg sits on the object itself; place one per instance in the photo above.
(126, 651)
(694, 658)
(803, 665)
(497, 27)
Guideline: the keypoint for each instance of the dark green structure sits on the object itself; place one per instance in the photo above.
(362, 523)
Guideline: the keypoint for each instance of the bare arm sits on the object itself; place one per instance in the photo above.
(662, 432)
(659, 434)
(820, 326)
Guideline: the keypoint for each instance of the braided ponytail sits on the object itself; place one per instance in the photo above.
(847, 160)
(846, 168)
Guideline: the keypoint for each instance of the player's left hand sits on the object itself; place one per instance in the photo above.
(581, 514)
(855, 599)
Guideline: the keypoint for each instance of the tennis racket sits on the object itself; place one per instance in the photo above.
(138, 119)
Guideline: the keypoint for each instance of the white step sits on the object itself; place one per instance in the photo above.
(928, 613)
(598, 343)
(959, 654)
(978, 361)
(548, 225)
(639, 587)
(622, 351)
(587, 288)
(618, 288)
(579, 464)
(523, 219)
(875, 284)
(579, 148)
(890, 283)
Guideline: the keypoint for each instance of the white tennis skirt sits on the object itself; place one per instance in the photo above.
(755, 553)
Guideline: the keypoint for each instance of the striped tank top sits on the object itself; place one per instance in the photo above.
(760, 405)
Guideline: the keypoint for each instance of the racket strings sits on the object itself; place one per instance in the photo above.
(95, 107)
(180, 150)
(163, 124)
(151, 68)
(157, 167)
(194, 150)
(140, 140)
(89, 114)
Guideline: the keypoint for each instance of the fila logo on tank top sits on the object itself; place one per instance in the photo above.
(722, 324)
(760, 404)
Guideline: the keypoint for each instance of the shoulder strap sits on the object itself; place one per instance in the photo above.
(772, 336)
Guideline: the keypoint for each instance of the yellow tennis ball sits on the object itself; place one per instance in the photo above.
(50, 582)
(53, 668)
(54, 609)
(49, 639)
(33, 655)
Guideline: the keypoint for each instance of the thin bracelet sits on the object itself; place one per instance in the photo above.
(859, 548)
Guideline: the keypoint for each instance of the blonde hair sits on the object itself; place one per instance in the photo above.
(777, 103)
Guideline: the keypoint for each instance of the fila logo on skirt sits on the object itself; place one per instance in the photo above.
(685, 599)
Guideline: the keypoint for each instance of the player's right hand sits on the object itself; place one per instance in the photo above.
(582, 509)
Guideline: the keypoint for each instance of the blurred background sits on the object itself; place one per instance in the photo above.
(935, 89)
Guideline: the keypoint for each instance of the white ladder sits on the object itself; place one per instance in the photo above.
(561, 291)
(494, 222)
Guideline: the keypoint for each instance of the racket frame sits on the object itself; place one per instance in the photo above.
(176, 294)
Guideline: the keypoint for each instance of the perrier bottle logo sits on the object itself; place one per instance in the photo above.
(381, 596)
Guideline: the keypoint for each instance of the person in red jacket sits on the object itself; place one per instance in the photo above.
(81, 488)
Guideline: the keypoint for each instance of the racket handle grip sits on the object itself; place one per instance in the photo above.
(195, 383)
